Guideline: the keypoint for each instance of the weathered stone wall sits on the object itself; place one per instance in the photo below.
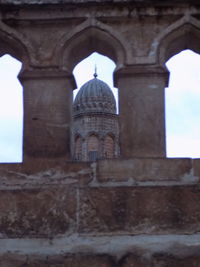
(140, 210)
(136, 212)
(165, 2)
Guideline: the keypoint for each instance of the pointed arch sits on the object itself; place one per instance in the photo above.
(14, 43)
(91, 36)
(78, 148)
(181, 35)
(93, 147)
(109, 146)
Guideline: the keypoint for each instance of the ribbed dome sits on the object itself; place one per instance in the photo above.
(95, 96)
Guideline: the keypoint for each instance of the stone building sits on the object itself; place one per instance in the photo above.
(95, 124)
(141, 209)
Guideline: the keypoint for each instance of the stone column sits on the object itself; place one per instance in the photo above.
(47, 113)
(141, 110)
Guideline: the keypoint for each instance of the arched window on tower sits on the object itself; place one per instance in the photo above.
(109, 147)
(93, 148)
(78, 148)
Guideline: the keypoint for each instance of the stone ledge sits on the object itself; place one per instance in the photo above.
(115, 245)
(143, 170)
(141, 2)
(77, 260)
(43, 174)
(107, 173)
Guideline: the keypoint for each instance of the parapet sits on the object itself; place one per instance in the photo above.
(148, 2)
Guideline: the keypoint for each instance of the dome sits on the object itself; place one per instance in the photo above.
(95, 96)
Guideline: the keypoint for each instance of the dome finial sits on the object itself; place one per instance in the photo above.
(95, 71)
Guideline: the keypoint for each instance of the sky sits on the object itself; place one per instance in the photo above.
(182, 102)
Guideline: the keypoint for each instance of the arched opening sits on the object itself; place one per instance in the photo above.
(83, 42)
(91, 42)
(95, 107)
(182, 38)
(93, 147)
(183, 105)
(109, 147)
(85, 69)
(11, 110)
(78, 148)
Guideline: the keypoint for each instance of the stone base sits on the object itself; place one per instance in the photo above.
(144, 212)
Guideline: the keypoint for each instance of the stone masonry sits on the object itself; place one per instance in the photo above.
(140, 210)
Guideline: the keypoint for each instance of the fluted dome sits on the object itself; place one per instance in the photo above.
(95, 96)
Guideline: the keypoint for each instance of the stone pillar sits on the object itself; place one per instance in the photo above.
(141, 110)
(47, 113)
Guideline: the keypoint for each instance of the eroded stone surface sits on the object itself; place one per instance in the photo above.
(140, 210)
(196, 167)
(40, 174)
(169, 260)
(86, 1)
(41, 213)
(132, 260)
(57, 261)
(85, 260)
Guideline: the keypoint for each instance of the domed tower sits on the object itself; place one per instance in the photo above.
(95, 131)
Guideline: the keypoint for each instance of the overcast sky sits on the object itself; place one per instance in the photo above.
(182, 102)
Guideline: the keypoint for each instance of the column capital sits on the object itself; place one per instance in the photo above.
(46, 73)
(140, 71)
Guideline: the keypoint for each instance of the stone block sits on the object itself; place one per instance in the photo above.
(166, 260)
(12, 260)
(160, 169)
(140, 210)
(132, 260)
(37, 213)
(42, 173)
(89, 260)
(196, 167)
(73, 260)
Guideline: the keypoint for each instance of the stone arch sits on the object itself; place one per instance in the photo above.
(183, 34)
(78, 147)
(17, 46)
(91, 36)
(92, 132)
(93, 147)
(109, 146)
(14, 43)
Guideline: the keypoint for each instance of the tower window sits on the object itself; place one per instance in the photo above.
(93, 147)
(78, 148)
(93, 155)
(109, 147)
